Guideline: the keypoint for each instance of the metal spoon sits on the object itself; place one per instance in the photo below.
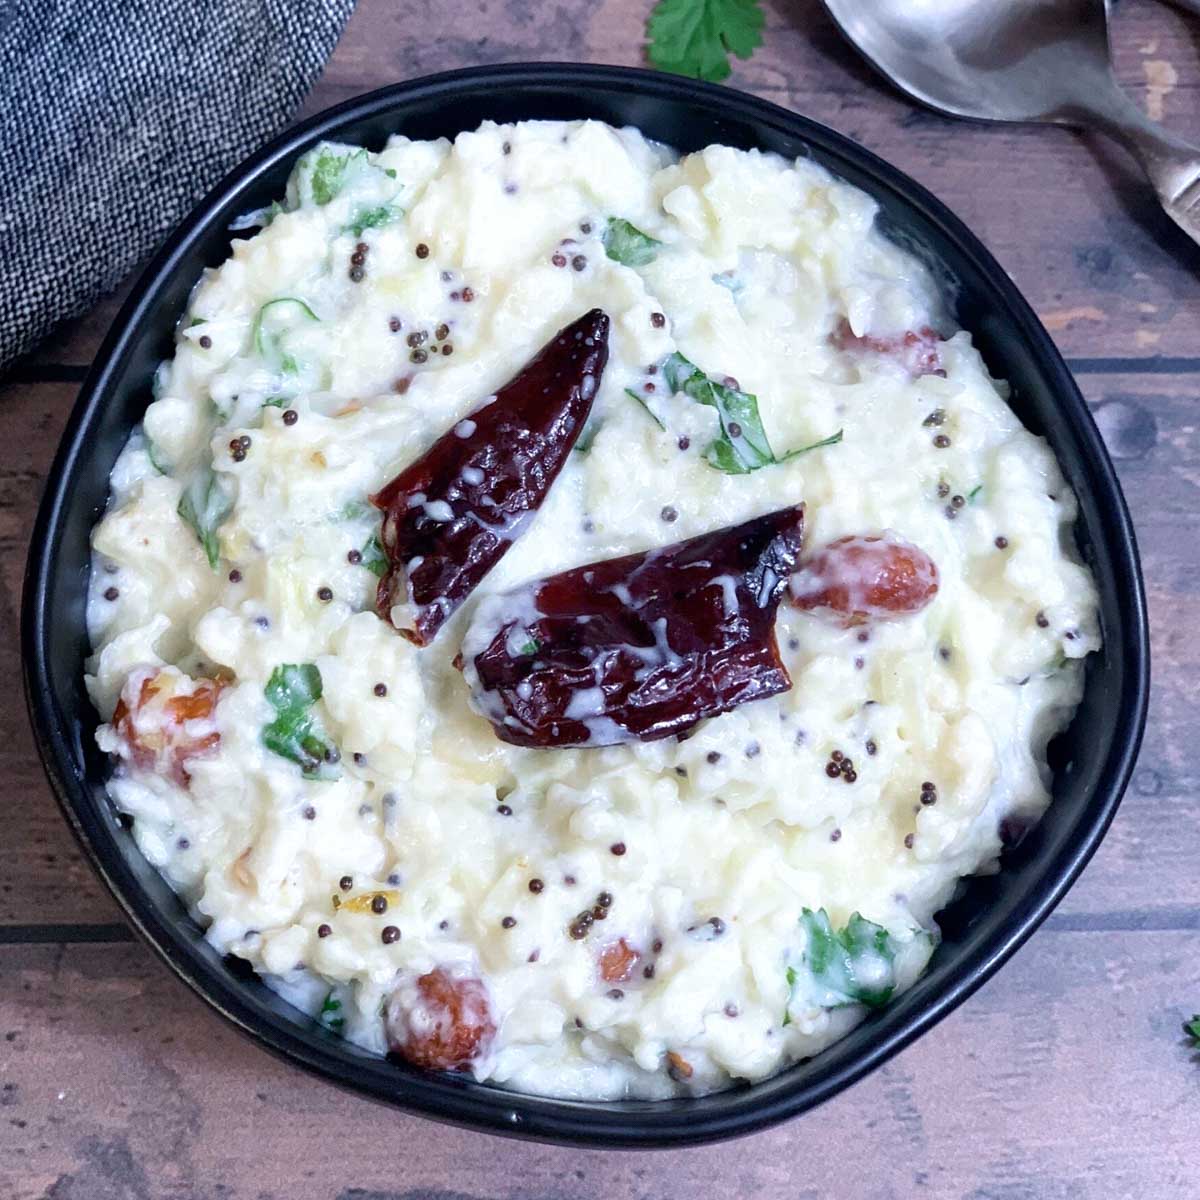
(1021, 60)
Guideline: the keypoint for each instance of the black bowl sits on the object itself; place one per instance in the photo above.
(993, 915)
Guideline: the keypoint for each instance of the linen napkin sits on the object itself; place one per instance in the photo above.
(116, 116)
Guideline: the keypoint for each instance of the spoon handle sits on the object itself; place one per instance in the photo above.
(1171, 163)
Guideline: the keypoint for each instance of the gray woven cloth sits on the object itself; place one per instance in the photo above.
(116, 116)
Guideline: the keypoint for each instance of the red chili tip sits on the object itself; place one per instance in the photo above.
(452, 515)
(639, 647)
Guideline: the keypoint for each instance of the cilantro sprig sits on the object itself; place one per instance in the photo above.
(696, 37)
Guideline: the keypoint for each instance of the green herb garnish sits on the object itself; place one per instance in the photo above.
(832, 440)
(329, 172)
(275, 320)
(296, 733)
(372, 218)
(155, 455)
(855, 965)
(1192, 1029)
(204, 506)
(696, 37)
(742, 445)
(353, 511)
(627, 244)
(649, 411)
(330, 1014)
(974, 492)
(587, 437)
(373, 557)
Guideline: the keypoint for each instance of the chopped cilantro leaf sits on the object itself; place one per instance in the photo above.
(296, 733)
(373, 557)
(330, 1014)
(329, 173)
(372, 218)
(855, 965)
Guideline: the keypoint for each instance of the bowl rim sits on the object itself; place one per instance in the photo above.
(491, 1109)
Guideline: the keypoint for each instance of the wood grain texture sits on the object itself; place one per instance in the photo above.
(1066, 1078)
(1063, 1078)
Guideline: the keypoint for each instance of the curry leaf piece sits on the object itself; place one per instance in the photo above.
(627, 244)
(275, 320)
(832, 440)
(296, 732)
(587, 437)
(649, 411)
(742, 444)
(204, 506)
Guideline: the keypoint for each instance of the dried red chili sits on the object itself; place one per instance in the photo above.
(638, 647)
(451, 515)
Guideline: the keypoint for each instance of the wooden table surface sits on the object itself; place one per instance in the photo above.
(1067, 1076)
